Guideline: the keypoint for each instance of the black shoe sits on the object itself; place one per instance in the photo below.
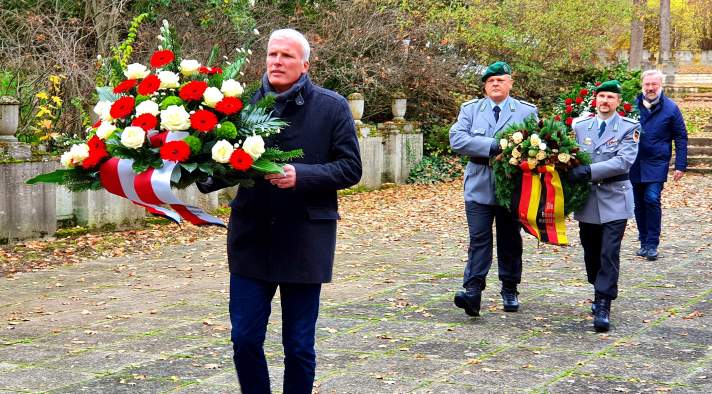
(652, 254)
(509, 299)
(596, 299)
(642, 252)
(601, 319)
(469, 300)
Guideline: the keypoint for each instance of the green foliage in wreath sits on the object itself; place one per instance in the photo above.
(524, 142)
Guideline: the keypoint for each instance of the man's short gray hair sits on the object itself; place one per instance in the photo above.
(292, 35)
(653, 73)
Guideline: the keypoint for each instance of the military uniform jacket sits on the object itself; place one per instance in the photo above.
(472, 136)
(612, 155)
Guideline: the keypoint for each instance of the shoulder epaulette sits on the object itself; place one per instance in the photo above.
(473, 101)
(630, 120)
(527, 103)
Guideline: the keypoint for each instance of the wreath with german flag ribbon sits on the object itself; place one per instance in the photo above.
(529, 176)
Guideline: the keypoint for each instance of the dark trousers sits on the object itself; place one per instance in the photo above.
(250, 307)
(601, 252)
(509, 245)
(648, 212)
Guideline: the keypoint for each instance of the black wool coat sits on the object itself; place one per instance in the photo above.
(289, 235)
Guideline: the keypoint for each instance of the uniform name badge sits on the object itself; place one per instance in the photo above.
(587, 141)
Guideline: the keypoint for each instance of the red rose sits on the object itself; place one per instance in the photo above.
(579, 100)
(203, 120)
(557, 118)
(568, 101)
(158, 139)
(240, 160)
(627, 107)
(161, 58)
(598, 83)
(583, 92)
(621, 113)
(193, 90)
(569, 121)
(229, 105)
(175, 151)
(125, 86)
(593, 103)
(149, 85)
(122, 107)
(569, 109)
(145, 121)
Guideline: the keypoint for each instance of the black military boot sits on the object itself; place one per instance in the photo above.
(469, 300)
(509, 299)
(601, 319)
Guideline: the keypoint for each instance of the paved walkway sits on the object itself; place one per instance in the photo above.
(158, 324)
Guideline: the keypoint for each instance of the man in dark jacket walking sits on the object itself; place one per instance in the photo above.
(661, 123)
(282, 231)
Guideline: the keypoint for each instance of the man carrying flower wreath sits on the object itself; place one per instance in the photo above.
(282, 231)
(473, 135)
(612, 142)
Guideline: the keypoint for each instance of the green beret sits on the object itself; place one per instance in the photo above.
(496, 68)
(609, 86)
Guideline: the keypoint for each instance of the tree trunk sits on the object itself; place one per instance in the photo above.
(104, 15)
(664, 31)
(637, 29)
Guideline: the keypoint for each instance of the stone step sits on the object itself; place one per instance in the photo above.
(693, 79)
(699, 161)
(696, 150)
(700, 170)
(700, 141)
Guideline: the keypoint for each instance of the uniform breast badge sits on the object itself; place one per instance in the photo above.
(587, 141)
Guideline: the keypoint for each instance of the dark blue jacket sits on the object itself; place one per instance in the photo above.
(289, 235)
(661, 125)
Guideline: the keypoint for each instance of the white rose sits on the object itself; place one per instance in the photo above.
(231, 88)
(147, 107)
(136, 71)
(535, 140)
(503, 143)
(517, 137)
(513, 161)
(541, 155)
(75, 156)
(133, 137)
(168, 79)
(564, 157)
(175, 118)
(105, 130)
(516, 153)
(222, 150)
(254, 145)
(103, 109)
(542, 146)
(212, 96)
(189, 67)
(532, 162)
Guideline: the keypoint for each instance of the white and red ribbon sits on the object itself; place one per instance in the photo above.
(152, 188)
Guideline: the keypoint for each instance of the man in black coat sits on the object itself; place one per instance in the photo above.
(282, 231)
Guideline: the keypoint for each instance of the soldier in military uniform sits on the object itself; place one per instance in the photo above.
(473, 136)
(612, 142)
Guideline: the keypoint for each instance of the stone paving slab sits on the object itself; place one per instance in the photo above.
(387, 323)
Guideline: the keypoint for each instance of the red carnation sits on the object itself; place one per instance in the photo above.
(627, 107)
(210, 70)
(568, 101)
(569, 109)
(621, 113)
(203, 120)
(122, 107)
(569, 121)
(161, 58)
(158, 139)
(97, 152)
(175, 151)
(229, 105)
(193, 90)
(125, 86)
(593, 103)
(583, 92)
(95, 143)
(149, 85)
(240, 160)
(145, 121)
(598, 83)
(579, 100)
(557, 118)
